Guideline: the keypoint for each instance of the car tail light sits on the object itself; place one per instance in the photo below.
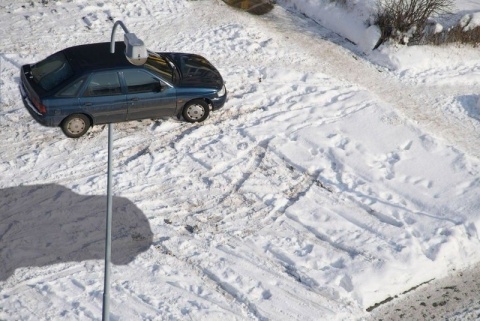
(40, 107)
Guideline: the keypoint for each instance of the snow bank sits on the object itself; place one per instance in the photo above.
(352, 21)
(470, 21)
(426, 64)
(431, 64)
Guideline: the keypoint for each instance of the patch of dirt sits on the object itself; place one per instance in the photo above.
(256, 7)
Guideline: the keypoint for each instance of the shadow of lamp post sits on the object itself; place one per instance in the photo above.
(136, 53)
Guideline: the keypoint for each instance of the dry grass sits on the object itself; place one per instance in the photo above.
(456, 34)
(342, 3)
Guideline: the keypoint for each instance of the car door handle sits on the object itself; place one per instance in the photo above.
(88, 104)
(135, 99)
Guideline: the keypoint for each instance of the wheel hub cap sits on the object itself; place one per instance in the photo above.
(76, 126)
(195, 112)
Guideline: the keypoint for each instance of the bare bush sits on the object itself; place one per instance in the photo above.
(402, 20)
(456, 34)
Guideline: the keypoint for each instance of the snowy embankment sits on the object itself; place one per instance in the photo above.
(353, 20)
(324, 186)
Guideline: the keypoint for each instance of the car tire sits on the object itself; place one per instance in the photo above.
(196, 110)
(76, 125)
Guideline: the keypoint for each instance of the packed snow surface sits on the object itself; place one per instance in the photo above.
(334, 177)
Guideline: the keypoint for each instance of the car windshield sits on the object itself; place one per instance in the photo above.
(51, 71)
(160, 66)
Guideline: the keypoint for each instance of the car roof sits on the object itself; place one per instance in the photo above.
(96, 56)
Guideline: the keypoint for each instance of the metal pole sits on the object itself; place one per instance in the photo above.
(108, 234)
(112, 38)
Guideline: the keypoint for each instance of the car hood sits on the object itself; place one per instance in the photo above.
(196, 71)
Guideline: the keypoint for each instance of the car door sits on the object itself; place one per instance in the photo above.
(103, 98)
(148, 96)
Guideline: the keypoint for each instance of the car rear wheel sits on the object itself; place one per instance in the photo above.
(196, 111)
(76, 125)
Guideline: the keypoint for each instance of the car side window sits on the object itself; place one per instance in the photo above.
(139, 81)
(104, 84)
(72, 89)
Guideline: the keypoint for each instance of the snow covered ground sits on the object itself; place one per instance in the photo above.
(333, 178)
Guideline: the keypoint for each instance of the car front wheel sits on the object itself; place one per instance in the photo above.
(76, 125)
(196, 111)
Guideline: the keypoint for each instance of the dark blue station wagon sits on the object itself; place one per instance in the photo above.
(87, 85)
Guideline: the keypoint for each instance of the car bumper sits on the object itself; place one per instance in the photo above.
(218, 102)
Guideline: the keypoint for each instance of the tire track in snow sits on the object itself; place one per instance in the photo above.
(23, 278)
(276, 267)
(185, 142)
(214, 283)
(232, 249)
(262, 211)
(265, 215)
(295, 192)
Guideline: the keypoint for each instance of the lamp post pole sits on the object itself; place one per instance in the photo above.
(108, 236)
(108, 232)
(112, 38)
(136, 54)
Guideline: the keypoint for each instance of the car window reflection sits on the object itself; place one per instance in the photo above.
(71, 90)
(139, 81)
(104, 84)
(160, 66)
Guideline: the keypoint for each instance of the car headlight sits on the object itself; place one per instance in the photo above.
(222, 91)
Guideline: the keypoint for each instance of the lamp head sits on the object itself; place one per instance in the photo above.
(135, 50)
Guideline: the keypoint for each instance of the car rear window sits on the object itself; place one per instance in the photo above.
(51, 71)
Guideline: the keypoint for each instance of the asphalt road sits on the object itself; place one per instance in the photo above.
(456, 297)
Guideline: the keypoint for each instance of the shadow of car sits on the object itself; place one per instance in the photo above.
(86, 85)
(49, 224)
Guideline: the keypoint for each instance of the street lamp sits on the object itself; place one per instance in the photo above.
(137, 54)
(135, 50)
